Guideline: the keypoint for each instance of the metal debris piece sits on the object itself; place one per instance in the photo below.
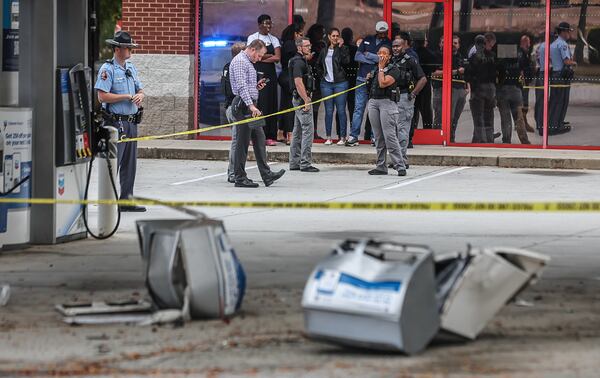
(96, 308)
(373, 294)
(4, 294)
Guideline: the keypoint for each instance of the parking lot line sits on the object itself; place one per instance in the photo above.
(410, 182)
(208, 177)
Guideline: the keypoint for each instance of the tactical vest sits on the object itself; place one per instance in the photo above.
(308, 78)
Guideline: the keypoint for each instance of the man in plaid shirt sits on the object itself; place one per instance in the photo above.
(244, 84)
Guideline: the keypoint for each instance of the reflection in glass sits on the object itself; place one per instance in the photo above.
(218, 35)
(509, 34)
(574, 94)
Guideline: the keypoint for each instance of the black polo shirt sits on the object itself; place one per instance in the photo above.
(299, 68)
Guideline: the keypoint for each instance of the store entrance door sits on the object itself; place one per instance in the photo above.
(429, 22)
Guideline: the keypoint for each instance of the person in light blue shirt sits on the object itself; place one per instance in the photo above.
(562, 74)
(120, 92)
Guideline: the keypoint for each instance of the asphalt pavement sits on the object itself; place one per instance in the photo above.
(554, 332)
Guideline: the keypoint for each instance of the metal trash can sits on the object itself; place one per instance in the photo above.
(474, 286)
(373, 294)
(194, 254)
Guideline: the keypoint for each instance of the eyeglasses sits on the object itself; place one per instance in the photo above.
(307, 46)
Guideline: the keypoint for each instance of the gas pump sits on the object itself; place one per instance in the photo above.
(80, 138)
(73, 149)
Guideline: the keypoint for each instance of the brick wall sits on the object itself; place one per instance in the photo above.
(160, 26)
(165, 61)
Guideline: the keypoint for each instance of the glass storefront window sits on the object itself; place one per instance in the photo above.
(498, 44)
(575, 91)
(218, 34)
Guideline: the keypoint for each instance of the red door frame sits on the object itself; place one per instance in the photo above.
(423, 136)
(434, 136)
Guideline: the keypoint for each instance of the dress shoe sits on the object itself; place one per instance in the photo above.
(246, 183)
(274, 176)
(377, 172)
(402, 172)
(310, 169)
(132, 209)
(561, 130)
(295, 169)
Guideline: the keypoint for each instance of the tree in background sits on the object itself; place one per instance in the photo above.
(109, 14)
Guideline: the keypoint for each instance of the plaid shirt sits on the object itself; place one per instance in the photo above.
(243, 78)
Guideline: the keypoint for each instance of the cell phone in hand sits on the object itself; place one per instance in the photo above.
(267, 80)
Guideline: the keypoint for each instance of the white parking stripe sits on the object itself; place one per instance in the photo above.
(208, 177)
(410, 182)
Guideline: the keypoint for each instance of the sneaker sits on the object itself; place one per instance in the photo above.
(351, 142)
(341, 142)
(402, 172)
(377, 172)
(328, 142)
(270, 142)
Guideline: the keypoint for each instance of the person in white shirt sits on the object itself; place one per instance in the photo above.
(267, 100)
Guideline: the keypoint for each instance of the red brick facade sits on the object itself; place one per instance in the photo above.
(161, 26)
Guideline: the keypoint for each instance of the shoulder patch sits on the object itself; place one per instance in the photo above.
(104, 75)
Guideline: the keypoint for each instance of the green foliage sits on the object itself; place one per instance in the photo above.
(109, 12)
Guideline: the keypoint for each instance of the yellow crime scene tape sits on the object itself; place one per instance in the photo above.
(248, 120)
(563, 206)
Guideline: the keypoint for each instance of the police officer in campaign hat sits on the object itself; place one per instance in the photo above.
(411, 82)
(562, 75)
(120, 92)
(383, 112)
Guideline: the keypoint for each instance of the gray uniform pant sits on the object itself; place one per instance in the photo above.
(240, 140)
(558, 102)
(406, 111)
(385, 120)
(510, 102)
(302, 137)
(126, 155)
(483, 101)
(459, 99)
(230, 168)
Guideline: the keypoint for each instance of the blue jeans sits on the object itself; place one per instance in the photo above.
(362, 96)
(327, 89)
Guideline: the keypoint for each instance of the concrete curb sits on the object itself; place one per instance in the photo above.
(421, 155)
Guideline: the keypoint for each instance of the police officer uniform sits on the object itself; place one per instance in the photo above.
(510, 99)
(482, 75)
(538, 112)
(303, 133)
(117, 79)
(459, 92)
(410, 72)
(385, 117)
(561, 75)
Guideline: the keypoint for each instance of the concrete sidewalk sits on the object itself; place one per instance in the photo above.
(365, 154)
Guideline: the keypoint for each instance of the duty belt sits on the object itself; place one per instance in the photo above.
(124, 117)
